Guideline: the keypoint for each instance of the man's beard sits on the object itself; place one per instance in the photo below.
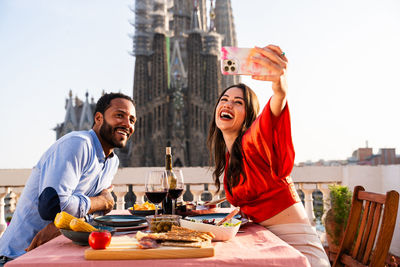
(106, 133)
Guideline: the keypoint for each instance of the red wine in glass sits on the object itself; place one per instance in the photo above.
(156, 187)
(175, 193)
(156, 197)
(175, 187)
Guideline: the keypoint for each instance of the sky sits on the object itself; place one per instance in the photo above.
(343, 68)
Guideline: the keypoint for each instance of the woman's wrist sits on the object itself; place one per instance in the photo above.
(280, 87)
(279, 95)
(278, 102)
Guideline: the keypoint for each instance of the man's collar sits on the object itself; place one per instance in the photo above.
(99, 149)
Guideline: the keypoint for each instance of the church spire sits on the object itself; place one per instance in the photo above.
(86, 119)
(142, 24)
(195, 24)
(70, 121)
(178, 73)
(160, 17)
(212, 40)
(175, 110)
(212, 17)
(224, 22)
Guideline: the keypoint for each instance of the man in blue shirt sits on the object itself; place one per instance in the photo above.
(73, 175)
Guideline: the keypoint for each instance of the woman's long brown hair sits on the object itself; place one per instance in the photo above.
(216, 143)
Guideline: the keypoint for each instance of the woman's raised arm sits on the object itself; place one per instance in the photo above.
(273, 58)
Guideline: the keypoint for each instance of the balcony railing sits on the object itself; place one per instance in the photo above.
(311, 181)
(128, 194)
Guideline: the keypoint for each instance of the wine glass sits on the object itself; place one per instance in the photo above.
(175, 187)
(156, 187)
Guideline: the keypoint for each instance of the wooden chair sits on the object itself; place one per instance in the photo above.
(356, 248)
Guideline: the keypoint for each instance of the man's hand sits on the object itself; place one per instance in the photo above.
(103, 202)
(44, 235)
(108, 199)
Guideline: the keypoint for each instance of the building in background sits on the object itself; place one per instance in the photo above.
(177, 80)
(225, 25)
(79, 117)
(361, 156)
(385, 156)
(177, 77)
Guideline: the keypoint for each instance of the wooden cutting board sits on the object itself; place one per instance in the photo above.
(124, 248)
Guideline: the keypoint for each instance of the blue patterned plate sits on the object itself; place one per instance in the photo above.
(120, 220)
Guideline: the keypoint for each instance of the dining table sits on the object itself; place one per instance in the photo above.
(253, 245)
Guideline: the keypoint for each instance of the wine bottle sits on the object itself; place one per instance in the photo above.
(167, 203)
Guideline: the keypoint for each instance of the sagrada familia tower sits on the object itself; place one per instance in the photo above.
(177, 77)
(177, 80)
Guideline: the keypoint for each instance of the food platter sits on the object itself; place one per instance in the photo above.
(125, 248)
(214, 216)
(143, 212)
(120, 220)
(221, 233)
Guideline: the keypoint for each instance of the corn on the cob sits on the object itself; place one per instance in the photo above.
(63, 219)
(81, 226)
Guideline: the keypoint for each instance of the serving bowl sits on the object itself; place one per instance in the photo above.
(142, 212)
(81, 238)
(162, 223)
(222, 233)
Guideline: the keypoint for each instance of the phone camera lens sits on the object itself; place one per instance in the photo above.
(229, 62)
(226, 68)
(233, 68)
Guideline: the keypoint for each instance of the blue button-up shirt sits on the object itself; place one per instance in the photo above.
(75, 166)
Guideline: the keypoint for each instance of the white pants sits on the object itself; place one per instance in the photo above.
(305, 239)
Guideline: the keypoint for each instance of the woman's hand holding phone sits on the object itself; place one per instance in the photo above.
(266, 64)
(273, 58)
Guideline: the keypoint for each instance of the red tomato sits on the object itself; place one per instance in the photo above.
(99, 239)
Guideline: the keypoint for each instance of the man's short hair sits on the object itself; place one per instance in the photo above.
(104, 102)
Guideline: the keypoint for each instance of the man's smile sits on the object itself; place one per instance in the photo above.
(122, 131)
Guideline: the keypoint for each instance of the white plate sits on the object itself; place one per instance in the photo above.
(222, 233)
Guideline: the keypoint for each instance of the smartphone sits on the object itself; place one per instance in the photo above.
(237, 61)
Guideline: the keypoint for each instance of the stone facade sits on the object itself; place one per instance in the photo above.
(177, 82)
(78, 115)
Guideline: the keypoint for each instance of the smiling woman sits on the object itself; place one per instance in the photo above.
(256, 155)
(230, 111)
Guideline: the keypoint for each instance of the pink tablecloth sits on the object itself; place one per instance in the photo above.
(255, 247)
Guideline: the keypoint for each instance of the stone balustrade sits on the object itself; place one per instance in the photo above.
(3, 192)
(127, 194)
(311, 182)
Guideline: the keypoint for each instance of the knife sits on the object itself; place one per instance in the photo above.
(229, 216)
(215, 202)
